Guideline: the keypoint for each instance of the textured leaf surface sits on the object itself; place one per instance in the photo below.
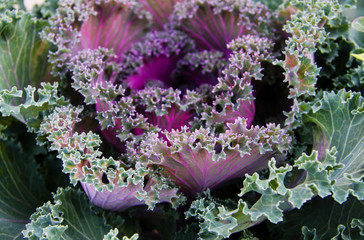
(69, 217)
(23, 58)
(115, 27)
(213, 24)
(29, 111)
(22, 189)
(340, 119)
(197, 160)
(325, 218)
(160, 10)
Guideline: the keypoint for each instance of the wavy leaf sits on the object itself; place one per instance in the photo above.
(339, 120)
(23, 58)
(323, 219)
(29, 109)
(70, 216)
(22, 189)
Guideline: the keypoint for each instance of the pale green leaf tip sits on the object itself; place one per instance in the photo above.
(358, 56)
(358, 24)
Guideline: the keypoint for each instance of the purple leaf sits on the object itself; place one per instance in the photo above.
(160, 10)
(199, 160)
(114, 27)
(213, 24)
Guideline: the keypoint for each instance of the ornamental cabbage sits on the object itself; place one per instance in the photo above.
(236, 114)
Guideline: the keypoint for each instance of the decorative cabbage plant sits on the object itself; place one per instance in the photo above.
(181, 119)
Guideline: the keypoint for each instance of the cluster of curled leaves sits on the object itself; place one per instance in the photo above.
(182, 119)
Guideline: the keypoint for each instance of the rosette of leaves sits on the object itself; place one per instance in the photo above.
(134, 75)
(162, 94)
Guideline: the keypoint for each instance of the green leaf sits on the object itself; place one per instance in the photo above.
(358, 24)
(359, 56)
(335, 166)
(23, 58)
(112, 235)
(29, 110)
(323, 219)
(339, 120)
(353, 80)
(22, 189)
(70, 216)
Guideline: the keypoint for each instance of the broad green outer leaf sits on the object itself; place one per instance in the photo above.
(23, 55)
(69, 217)
(324, 219)
(340, 119)
(22, 189)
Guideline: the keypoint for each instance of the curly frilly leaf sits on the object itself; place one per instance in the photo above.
(339, 119)
(233, 89)
(69, 217)
(132, 192)
(234, 92)
(339, 172)
(198, 160)
(81, 25)
(24, 67)
(224, 224)
(95, 78)
(164, 108)
(107, 182)
(353, 80)
(307, 33)
(29, 110)
(275, 198)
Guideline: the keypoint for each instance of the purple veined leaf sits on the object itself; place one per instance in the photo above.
(246, 110)
(214, 24)
(125, 196)
(212, 31)
(175, 119)
(198, 160)
(82, 25)
(115, 26)
(160, 10)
